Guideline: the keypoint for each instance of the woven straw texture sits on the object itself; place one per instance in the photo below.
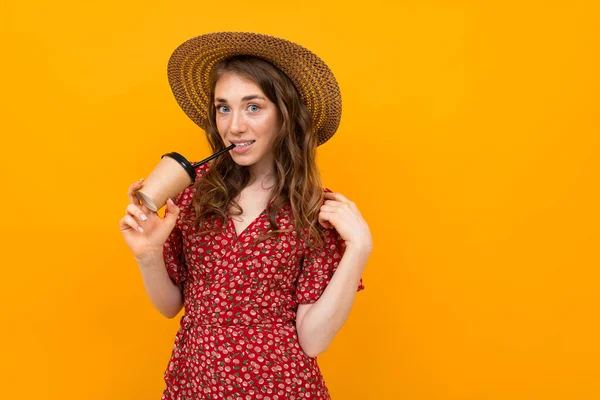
(191, 63)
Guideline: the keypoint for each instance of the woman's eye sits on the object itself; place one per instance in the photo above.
(253, 108)
(222, 108)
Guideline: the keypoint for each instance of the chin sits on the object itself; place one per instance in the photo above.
(244, 161)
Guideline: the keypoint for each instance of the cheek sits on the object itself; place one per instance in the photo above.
(269, 127)
(221, 126)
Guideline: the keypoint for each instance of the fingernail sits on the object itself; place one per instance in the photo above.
(140, 229)
(170, 201)
(143, 217)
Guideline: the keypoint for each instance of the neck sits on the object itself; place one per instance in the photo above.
(262, 174)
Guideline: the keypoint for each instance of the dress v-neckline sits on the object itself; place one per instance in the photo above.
(232, 223)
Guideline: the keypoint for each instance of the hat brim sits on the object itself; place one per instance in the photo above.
(191, 63)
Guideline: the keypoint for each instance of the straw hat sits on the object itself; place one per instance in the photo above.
(191, 63)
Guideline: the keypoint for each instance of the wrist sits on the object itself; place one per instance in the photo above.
(149, 257)
(358, 251)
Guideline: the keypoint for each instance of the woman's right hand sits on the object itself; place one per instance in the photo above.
(154, 230)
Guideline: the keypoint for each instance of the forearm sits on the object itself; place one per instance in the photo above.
(319, 325)
(165, 296)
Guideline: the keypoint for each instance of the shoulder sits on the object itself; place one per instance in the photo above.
(184, 199)
(201, 170)
(328, 235)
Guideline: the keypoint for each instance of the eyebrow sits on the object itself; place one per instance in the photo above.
(245, 98)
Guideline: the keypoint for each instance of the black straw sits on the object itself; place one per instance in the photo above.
(218, 153)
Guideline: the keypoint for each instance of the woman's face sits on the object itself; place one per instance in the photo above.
(245, 116)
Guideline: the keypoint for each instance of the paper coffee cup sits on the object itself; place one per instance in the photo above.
(169, 178)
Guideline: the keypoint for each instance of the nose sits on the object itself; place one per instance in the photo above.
(238, 123)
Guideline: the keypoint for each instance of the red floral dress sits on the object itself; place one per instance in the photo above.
(237, 338)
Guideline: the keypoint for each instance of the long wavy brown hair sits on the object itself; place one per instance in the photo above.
(298, 182)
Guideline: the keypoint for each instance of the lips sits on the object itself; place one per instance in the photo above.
(242, 146)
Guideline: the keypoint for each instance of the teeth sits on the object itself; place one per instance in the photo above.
(246, 144)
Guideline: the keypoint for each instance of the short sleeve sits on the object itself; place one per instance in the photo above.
(318, 267)
(173, 251)
(174, 257)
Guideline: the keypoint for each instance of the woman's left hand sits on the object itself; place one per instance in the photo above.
(343, 215)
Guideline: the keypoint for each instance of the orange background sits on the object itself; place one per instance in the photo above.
(469, 140)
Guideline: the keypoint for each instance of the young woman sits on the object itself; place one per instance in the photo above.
(265, 260)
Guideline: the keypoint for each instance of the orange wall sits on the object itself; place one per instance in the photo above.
(469, 140)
